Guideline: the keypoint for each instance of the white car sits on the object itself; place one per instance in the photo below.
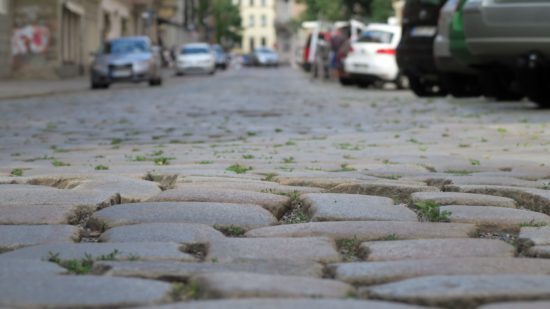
(264, 56)
(372, 57)
(196, 57)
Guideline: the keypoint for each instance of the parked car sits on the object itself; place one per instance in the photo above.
(264, 56)
(451, 57)
(415, 51)
(196, 58)
(128, 59)
(510, 39)
(372, 57)
(222, 60)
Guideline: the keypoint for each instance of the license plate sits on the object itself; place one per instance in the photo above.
(122, 73)
(424, 31)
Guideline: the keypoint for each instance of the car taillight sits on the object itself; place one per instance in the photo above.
(350, 50)
(386, 51)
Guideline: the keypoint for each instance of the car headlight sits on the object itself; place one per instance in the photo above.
(143, 63)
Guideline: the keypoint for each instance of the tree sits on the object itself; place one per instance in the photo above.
(221, 16)
(374, 10)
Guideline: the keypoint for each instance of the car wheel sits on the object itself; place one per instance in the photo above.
(401, 82)
(462, 85)
(364, 83)
(425, 89)
(499, 86)
(155, 82)
(346, 81)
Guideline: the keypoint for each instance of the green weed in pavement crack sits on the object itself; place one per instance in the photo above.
(58, 163)
(230, 231)
(296, 212)
(349, 249)
(17, 172)
(182, 292)
(239, 169)
(269, 176)
(101, 168)
(429, 211)
(83, 265)
(532, 223)
(248, 157)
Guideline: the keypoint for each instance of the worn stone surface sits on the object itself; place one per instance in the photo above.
(53, 291)
(369, 273)
(129, 189)
(315, 181)
(535, 235)
(530, 198)
(28, 204)
(316, 249)
(351, 207)
(457, 198)
(463, 291)
(141, 251)
(255, 186)
(249, 285)
(16, 236)
(367, 230)
(399, 192)
(494, 216)
(435, 248)
(15, 267)
(289, 304)
(183, 271)
(276, 204)
(539, 251)
(187, 233)
(244, 216)
(522, 305)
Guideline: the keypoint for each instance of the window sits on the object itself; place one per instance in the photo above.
(251, 3)
(264, 41)
(252, 43)
(375, 36)
(194, 51)
(264, 21)
(251, 21)
(264, 2)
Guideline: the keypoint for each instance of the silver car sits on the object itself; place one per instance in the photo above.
(512, 39)
(128, 59)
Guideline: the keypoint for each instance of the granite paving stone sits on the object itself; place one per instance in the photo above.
(16, 236)
(466, 292)
(465, 199)
(353, 207)
(535, 235)
(522, 305)
(369, 273)
(494, 216)
(530, 198)
(367, 230)
(399, 192)
(250, 285)
(54, 291)
(539, 251)
(183, 271)
(223, 214)
(141, 251)
(289, 304)
(435, 248)
(186, 233)
(276, 204)
(318, 249)
(15, 267)
(129, 189)
(255, 186)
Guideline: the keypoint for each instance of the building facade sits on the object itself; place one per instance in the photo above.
(258, 17)
(55, 38)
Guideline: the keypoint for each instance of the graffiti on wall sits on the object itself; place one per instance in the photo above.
(30, 39)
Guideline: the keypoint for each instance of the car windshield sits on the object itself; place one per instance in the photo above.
(125, 47)
(194, 50)
(264, 50)
(376, 36)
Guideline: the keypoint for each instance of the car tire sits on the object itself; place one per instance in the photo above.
(155, 82)
(499, 86)
(425, 89)
(97, 85)
(462, 85)
(346, 81)
(364, 83)
(401, 82)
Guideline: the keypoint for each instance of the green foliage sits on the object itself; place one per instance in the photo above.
(374, 10)
(17, 172)
(58, 163)
(230, 231)
(532, 223)
(289, 160)
(101, 168)
(349, 248)
(81, 266)
(239, 169)
(429, 211)
(226, 17)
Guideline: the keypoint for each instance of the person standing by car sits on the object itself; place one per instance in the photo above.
(338, 39)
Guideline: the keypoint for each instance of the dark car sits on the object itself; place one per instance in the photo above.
(222, 60)
(128, 59)
(415, 55)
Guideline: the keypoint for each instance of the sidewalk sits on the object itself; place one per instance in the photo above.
(14, 89)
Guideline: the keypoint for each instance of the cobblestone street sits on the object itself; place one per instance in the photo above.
(259, 188)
